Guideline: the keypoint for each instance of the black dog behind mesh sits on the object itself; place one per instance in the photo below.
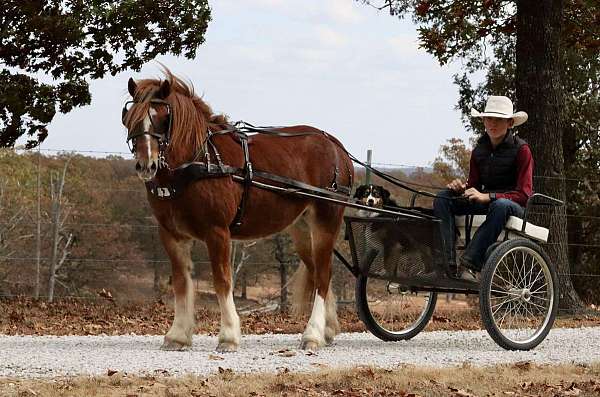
(396, 249)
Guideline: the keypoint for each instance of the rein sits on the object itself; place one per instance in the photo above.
(187, 173)
(183, 175)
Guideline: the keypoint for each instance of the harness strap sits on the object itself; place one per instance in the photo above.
(287, 182)
(181, 176)
(190, 172)
(248, 174)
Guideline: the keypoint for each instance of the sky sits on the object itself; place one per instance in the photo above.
(338, 65)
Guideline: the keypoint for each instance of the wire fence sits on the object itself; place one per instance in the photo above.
(151, 228)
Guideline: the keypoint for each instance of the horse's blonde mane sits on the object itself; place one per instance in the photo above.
(191, 115)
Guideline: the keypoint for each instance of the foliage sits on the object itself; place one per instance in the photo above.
(482, 34)
(454, 160)
(74, 41)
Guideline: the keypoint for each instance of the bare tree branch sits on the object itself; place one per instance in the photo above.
(65, 252)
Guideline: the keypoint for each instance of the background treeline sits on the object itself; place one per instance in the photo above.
(99, 234)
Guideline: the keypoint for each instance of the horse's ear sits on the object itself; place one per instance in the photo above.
(131, 87)
(164, 90)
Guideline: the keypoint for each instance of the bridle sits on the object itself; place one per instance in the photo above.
(163, 136)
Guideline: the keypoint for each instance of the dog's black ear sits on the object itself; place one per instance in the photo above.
(359, 191)
(386, 193)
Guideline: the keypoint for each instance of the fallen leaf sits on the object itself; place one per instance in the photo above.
(460, 392)
(215, 357)
(106, 294)
(523, 365)
(111, 372)
(572, 390)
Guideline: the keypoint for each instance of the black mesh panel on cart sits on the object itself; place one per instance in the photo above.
(397, 249)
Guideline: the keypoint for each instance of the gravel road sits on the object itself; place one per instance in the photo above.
(50, 356)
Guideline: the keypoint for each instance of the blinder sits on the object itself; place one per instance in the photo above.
(163, 136)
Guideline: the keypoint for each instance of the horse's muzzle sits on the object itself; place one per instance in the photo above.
(146, 170)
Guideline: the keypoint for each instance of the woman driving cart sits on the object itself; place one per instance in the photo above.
(498, 186)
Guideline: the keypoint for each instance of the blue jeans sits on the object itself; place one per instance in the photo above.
(497, 213)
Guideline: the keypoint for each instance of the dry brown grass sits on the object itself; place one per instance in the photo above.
(520, 379)
(25, 316)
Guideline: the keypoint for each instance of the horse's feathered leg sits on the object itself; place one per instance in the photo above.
(322, 325)
(303, 283)
(179, 336)
(218, 244)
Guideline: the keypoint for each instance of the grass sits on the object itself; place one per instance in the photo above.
(519, 379)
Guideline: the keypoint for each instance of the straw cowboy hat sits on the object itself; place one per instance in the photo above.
(501, 107)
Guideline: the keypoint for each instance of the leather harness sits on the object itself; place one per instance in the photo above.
(179, 177)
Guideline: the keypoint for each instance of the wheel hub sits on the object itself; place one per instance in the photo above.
(523, 293)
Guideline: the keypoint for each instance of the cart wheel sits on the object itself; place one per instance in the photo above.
(519, 295)
(491, 249)
(390, 311)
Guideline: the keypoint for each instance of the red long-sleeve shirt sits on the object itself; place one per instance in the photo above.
(523, 189)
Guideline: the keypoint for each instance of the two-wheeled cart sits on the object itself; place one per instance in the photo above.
(400, 268)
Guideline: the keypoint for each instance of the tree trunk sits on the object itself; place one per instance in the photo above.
(244, 285)
(38, 235)
(283, 257)
(157, 268)
(56, 194)
(539, 93)
(283, 286)
(58, 235)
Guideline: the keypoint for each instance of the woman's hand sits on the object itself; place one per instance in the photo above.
(476, 196)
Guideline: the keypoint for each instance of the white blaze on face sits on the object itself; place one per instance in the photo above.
(147, 123)
(373, 199)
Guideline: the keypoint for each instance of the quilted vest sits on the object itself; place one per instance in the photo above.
(497, 167)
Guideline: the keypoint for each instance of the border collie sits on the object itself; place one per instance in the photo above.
(396, 241)
(373, 196)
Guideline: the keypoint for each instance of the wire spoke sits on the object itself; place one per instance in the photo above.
(510, 273)
(539, 288)
(503, 279)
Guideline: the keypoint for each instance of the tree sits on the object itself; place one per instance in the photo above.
(580, 82)
(283, 251)
(538, 89)
(454, 160)
(509, 40)
(238, 267)
(10, 219)
(61, 239)
(75, 41)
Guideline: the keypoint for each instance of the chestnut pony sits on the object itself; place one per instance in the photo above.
(207, 207)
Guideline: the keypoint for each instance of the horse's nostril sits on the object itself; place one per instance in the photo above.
(153, 166)
(138, 167)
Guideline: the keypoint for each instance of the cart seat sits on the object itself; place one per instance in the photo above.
(514, 225)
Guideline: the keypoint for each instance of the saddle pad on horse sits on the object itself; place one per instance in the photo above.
(514, 224)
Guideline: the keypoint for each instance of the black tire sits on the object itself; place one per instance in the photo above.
(491, 248)
(402, 326)
(524, 297)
